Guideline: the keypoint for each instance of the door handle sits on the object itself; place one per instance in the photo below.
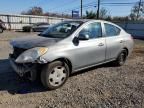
(121, 41)
(100, 44)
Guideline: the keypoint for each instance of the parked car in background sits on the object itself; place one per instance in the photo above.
(69, 47)
(2, 26)
(38, 27)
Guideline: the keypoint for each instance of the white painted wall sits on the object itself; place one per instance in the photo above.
(18, 21)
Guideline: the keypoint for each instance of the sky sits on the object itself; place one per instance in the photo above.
(63, 6)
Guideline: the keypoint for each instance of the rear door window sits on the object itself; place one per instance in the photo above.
(111, 30)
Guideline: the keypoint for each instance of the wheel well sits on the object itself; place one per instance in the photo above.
(67, 61)
(126, 50)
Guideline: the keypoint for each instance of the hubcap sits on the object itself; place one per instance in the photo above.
(57, 76)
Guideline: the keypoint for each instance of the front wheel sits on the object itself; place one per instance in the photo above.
(1, 30)
(54, 75)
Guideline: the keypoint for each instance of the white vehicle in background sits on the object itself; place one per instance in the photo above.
(37, 27)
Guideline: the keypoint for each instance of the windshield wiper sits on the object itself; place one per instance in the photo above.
(47, 35)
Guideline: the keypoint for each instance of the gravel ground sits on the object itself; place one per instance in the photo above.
(103, 86)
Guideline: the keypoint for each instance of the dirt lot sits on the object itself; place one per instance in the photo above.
(100, 87)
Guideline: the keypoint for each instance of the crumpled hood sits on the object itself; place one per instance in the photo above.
(33, 41)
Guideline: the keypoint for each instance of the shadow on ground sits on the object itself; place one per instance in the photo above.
(11, 82)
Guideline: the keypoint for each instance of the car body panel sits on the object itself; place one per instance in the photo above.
(114, 47)
(33, 41)
(84, 54)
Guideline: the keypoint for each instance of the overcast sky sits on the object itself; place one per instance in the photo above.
(63, 6)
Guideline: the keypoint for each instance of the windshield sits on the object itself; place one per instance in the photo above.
(61, 30)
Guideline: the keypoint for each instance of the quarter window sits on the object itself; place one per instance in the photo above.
(111, 30)
(93, 30)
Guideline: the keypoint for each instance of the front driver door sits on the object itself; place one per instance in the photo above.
(92, 51)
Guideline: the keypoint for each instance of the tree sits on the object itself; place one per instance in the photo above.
(109, 18)
(57, 15)
(39, 11)
(90, 15)
(102, 15)
(33, 11)
(137, 11)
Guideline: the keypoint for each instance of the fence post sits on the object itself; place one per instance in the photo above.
(8, 21)
(30, 20)
(48, 19)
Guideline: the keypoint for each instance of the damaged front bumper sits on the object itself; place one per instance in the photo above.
(23, 69)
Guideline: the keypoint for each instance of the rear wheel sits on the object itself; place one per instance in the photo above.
(54, 75)
(121, 58)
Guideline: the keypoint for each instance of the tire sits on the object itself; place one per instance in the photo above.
(31, 30)
(28, 29)
(1, 30)
(54, 75)
(121, 58)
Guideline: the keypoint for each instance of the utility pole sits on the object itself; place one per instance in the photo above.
(98, 9)
(62, 16)
(81, 8)
(139, 9)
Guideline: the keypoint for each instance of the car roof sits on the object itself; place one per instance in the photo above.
(89, 20)
(83, 20)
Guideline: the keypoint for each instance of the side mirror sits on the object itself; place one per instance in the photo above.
(76, 41)
(83, 37)
(80, 37)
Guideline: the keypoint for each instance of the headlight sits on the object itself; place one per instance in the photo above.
(31, 55)
(42, 51)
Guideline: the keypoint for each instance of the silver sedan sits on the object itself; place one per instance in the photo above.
(69, 47)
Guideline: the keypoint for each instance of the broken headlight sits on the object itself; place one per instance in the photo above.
(31, 55)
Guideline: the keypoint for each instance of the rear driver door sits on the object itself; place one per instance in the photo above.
(114, 41)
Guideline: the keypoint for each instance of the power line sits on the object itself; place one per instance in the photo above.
(78, 7)
(120, 3)
(98, 10)
(81, 8)
(95, 4)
